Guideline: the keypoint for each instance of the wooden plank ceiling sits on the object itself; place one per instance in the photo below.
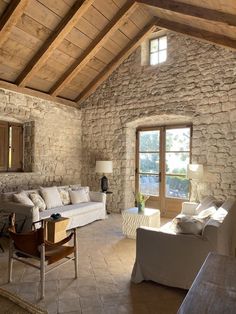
(62, 50)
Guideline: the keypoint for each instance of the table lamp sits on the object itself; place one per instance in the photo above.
(104, 166)
(195, 173)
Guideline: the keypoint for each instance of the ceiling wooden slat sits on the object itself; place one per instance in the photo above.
(192, 10)
(63, 29)
(134, 43)
(34, 93)
(93, 48)
(10, 18)
(204, 35)
(62, 49)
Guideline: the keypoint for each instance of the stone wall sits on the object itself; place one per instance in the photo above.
(197, 84)
(52, 141)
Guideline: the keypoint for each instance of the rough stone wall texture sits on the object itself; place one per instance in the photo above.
(56, 147)
(197, 84)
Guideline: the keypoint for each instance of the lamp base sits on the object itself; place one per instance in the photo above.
(104, 184)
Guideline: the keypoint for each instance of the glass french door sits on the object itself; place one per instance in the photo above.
(163, 154)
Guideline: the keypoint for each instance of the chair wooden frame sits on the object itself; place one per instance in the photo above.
(43, 248)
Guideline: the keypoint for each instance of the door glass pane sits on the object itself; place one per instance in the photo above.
(149, 162)
(177, 187)
(149, 184)
(178, 139)
(176, 163)
(149, 141)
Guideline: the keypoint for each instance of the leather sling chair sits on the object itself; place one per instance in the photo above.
(33, 244)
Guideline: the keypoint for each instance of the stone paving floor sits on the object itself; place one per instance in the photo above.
(106, 259)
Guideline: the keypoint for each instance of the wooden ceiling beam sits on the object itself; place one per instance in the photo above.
(107, 71)
(198, 33)
(10, 17)
(35, 93)
(93, 48)
(57, 36)
(192, 10)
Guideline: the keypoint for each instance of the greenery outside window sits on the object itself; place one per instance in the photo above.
(163, 154)
(158, 50)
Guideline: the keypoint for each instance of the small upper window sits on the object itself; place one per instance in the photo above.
(11, 146)
(158, 50)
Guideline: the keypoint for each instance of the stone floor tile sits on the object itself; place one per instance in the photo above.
(87, 291)
(88, 302)
(69, 305)
(103, 286)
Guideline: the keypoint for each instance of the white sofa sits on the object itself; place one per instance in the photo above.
(174, 259)
(79, 214)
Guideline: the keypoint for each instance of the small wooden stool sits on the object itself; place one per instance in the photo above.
(56, 228)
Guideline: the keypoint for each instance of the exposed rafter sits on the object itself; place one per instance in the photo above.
(116, 61)
(93, 48)
(10, 17)
(34, 93)
(204, 35)
(62, 30)
(192, 10)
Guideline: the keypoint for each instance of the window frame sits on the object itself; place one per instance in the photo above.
(8, 147)
(158, 50)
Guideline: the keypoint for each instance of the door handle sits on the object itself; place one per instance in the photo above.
(159, 176)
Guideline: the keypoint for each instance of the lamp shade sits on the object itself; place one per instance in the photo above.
(195, 171)
(103, 166)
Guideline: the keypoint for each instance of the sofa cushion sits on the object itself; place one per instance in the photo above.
(65, 196)
(193, 224)
(79, 196)
(207, 202)
(72, 209)
(51, 197)
(37, 201)
(188, 225)
(207, 213)
(22, 198)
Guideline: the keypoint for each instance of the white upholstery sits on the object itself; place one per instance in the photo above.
(51, 197)
(22, 198)
(79, 214)
(78, 196)
(174, 259)
(24, 213)
(189, 208)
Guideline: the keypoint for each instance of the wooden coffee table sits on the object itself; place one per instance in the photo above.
(56, 228)
(132, 220)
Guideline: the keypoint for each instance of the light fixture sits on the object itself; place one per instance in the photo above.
(104, 166)
(195, 171)
(195, 174)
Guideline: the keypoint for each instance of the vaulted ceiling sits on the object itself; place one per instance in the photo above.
(62, 50)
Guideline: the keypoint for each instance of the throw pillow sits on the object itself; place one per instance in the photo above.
(51, 197)
(207, 202)
(78, 196)
(65, 196)
(188, 225)
(23, 198)
(75, 186)
(85, 189)
(38, 201)
(207, 213)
